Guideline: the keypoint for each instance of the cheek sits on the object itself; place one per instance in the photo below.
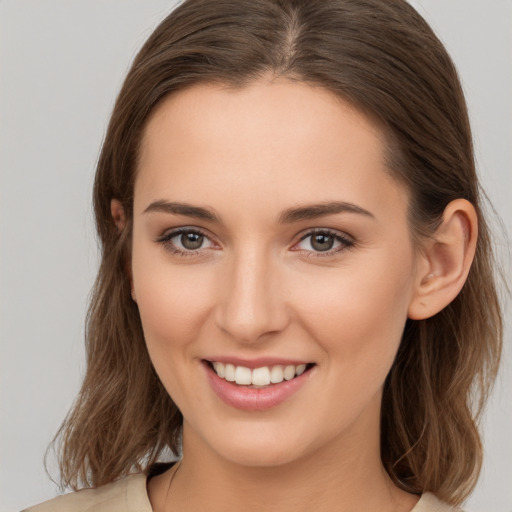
(174, 308)
(173, 301)
(356, 316)
(358, 312)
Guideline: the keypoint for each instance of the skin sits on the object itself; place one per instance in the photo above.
(257, 287)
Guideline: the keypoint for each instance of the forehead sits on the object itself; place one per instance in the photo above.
(276, 140)
(278, 110)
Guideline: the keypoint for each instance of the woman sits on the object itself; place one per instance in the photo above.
(296, 294)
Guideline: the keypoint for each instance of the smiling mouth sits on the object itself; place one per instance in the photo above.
(262, 377)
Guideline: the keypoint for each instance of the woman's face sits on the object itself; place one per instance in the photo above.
(269, 242)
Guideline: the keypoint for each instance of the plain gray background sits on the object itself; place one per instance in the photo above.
(61, 65)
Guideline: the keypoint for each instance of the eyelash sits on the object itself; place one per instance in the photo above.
(165, 240)
(346, 242)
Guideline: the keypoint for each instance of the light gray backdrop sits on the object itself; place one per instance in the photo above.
(61, 65)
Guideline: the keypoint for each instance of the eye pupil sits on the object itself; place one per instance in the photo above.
(192, 241)
(322, 242)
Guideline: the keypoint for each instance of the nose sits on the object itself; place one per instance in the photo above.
(252, 303)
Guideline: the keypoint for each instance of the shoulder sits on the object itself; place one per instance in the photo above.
(128, 494)
(430, 503)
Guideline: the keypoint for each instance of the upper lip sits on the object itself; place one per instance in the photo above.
(256, 362)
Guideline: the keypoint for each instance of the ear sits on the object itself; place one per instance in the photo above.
(119, 217)
(445, 261)
(117, 212)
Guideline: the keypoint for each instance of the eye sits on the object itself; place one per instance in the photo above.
(324, 241)
(185, 241)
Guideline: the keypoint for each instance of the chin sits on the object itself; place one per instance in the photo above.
(262, 456)
(259, 446)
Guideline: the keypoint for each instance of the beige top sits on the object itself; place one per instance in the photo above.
(130, 495)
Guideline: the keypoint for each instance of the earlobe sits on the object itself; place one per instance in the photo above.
(445, 260)
(119, 218)
(118, 214)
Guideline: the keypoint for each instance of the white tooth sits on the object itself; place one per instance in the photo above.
(229, 372)
(220, 369)
(243, 375)
(276, 374)
(300, 369)
(261, 376)
(289, 372)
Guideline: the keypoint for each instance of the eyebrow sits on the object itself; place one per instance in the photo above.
(288, 216)
(188, 210)
(319, 210)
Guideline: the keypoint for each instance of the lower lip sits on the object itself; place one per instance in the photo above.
(254, 399)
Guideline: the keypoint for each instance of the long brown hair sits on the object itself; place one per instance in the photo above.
(383, 58)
